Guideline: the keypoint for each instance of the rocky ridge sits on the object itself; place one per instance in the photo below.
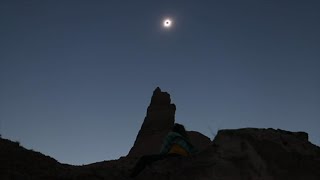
(248, 153)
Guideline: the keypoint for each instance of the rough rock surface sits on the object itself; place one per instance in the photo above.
(250, 153)
(156, 125)
(158, 122)
(199, 140)
(239, 154)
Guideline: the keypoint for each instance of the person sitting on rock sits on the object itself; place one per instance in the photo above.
(176, 143)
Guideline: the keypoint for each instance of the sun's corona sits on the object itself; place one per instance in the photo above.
(167, 23)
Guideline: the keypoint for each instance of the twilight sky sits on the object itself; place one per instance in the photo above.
(76, 76)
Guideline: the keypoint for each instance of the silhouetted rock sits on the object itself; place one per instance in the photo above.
(249, 153)
(238, 154)
(17, 162)
(156, 125)
(265, 154)
(199, 140)
(158, 122)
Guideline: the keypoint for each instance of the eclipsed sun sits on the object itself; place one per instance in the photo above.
(167, 23)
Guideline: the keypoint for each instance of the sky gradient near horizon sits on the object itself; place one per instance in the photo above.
(76, 76)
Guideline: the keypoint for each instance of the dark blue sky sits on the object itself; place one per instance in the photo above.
(76, 77)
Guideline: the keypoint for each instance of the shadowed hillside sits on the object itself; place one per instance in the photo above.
(17, 162)
(248, 153)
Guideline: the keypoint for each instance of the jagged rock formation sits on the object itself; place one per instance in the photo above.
(265, 154)
(249, 153)
(156, 125)
(158, 122)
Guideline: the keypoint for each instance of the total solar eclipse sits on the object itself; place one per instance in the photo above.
(167, 23)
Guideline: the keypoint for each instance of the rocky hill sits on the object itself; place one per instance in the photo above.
(248, 154)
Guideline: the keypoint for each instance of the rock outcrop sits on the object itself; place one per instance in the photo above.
(156, 125)
(248, 153)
